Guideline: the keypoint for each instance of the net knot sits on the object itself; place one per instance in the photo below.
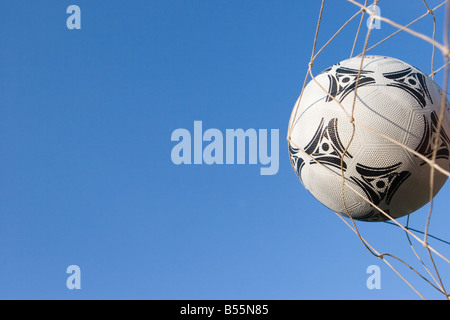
(447, 52)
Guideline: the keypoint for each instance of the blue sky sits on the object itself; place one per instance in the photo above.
(86, 178)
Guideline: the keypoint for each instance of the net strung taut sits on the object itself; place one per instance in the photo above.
(440, 16)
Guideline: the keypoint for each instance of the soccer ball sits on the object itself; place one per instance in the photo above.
(347, 150)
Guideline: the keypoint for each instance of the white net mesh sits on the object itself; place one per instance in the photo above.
(370, 29)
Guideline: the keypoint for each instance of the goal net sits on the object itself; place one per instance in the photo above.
(369, 29)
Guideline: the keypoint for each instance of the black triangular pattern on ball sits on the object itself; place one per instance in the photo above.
(297, 162)
(325, 147)
(380, 183)
(412, 82)
(425, 147)
(344, 81)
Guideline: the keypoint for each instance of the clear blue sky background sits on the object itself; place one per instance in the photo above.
(86, 176)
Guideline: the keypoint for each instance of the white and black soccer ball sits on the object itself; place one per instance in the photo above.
(394, 101)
